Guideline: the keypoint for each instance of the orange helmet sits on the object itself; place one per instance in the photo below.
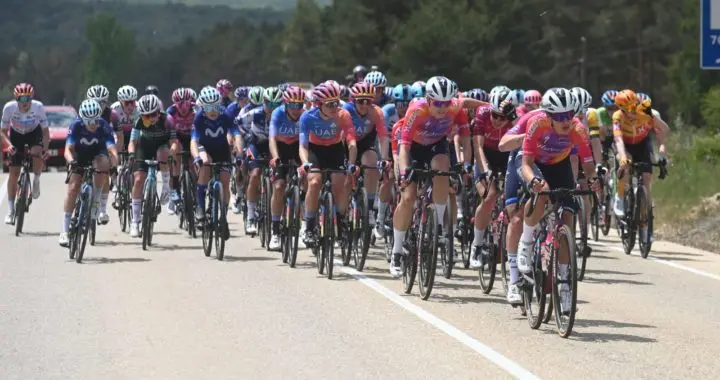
(362, 90)
(24, 89)
(627, 100)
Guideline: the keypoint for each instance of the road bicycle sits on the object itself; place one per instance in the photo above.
(150, 203)
(326, 228)
(122, 202)
(215, 228)
(23, 197)
(82, 222)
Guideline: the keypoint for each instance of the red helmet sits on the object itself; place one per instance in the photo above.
(24, 89)
(294, 94)
(326, 92)
(182, 94)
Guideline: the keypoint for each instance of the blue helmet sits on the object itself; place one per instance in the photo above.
(478, 94)
(608, 98)
(402, 93)
(418, 90)
(242, 92)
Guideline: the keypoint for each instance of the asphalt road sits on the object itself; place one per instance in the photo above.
(172, 313)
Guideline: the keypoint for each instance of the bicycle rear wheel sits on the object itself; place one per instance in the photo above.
(504, 272)
(533, 289)
(293, 233)
(21, 202)
(410, 262)
(428, 251)
(221, 224)
(582, 249)
(208, 228)
(595, 221)
(362, 231)
(147, 209)
(628, 223)
(564, 309)
(643, 221)
(319, 246)
(93, 230)
(84, 227)
(488, 269)
(606, 213)
(329, 235)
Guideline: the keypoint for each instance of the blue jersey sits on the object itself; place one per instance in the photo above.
(233, 110)
(212, 134)
(282, 128)
(318, 131)
(245, 109)
(254, 125)
(226, 101)
(366, 124)
(391, 115)
(384, 99)
(86, 141)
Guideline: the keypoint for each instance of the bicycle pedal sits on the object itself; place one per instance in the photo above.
(586, 251)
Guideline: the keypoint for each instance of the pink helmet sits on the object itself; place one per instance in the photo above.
(182, 95)
(224, 86)
(326, 92)
(294, 94)
(532, 97)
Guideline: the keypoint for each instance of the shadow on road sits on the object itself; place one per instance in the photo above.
(594, 256)
(606, 323)
(116, 243)
(675, 253)
(462, 300)
(39, 233)
(107, 260)
(249, 258)
(175, 247)
(671, 257)
(166, 233)
(603, 271)
(609, 337)
(614, 281)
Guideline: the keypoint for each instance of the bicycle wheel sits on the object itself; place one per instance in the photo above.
(349, 242)
(489, 264)
(362, 230)
(533, 288)
(329, 235)
(504, 272)
(448, 249)
(75, 235)
(207, 226)
(21, 202)
(319, 246)
(221, 227)
(428, 251)
(595, 221)
(268, 214)
(606, 213)
(627, 225)
(188, 198)
(93, 229)
(294, 224)
(261, 210)
(123, 214)
(84, 227)
(466, 234)
(410, 262)
(643, 221)
(582, 248)
(147, 209)
(564, 317)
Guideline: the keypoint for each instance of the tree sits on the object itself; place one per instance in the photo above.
(112, 52)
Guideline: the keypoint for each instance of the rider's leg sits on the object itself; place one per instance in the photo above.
(441, 187)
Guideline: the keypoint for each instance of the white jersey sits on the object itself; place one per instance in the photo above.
(121, 120)
(23, 122)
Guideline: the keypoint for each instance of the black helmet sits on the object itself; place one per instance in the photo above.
(152, 89)
(360, 69)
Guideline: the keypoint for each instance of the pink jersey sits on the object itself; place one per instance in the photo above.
(521, 110)
(183, 124)
(520, 126)
(484, 127)
(424, 129)
(548, 147)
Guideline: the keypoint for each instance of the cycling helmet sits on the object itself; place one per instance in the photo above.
(182, 94)
(558, 100)
(532, 97)
(89, 110)
(272, 95)
(152, 89)
(360, 69)
(376, 78)
(584, 99)
(418, 90)
(332, 82)
(608, 98)
(209, 96)
(293, 95)
(498, 88)
(148, 104)
(256, 95)
(402, 93)
(98, 93)
(127, 94)
(193, 94)
(643, 96)
(344, 92)
(440, 88)
(627, 100)
(387, 91)
(242, 92)
(326, 93)
(515, 97)
(24, 89)
(283, 86)
(363, 90)
(309, 97)
(497, 97)
(477, 94)
(224, 84)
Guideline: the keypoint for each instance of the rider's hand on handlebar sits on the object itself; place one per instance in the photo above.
(537, 184)
(274, 162)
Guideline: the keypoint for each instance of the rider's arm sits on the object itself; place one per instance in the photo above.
(661, 129)
(194, 142)
(346, 125)
(529, 150)
(43, 123)
(472, 103)
(480, 159)
(174, 144)
(619, 143)
(69, 153)
(407, 134)
(304, 136)
(382, 133)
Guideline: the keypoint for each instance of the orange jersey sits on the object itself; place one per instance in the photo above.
(632, 131)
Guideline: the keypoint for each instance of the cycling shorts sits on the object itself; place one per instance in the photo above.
(640, 152)
(146, 150)
(423, 154)
(557, 176)
(289, 154)
(258, 150)
(86, 157)
(184, 141)
(19, 140)
(367, 143)
(327, 156)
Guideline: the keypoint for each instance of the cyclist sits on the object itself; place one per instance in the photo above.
(241, 100)
(181, 115)
(255, 100)
(322, 131)
(370, 130)
(254, 128)
(378, 80)
(285, 148)
(149, 140)
(632, 124)
(601, 118)
(546, 165)
(418, 90)
(209, 144)
(24, 123)
(424, 139)
(531, 101)
(89, 142)
(101, 94)
(226, 91)
(491, 123)
(124, 115)
(344, 94)
(359, 73)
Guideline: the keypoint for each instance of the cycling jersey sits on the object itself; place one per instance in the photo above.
(600, 117)
(424, 129)
(396, 133)
(244, 110)
(23, 122)
(211, 135)
(182, 124)
(520, 126)
(254, 125)
(318, 131)
(233, 110)
(226, 101)
(121, 120)
(391, 115)
(384, 99)
(484, 127)
(282, 128)
(373, 121)
(89, 144)
(592, 120)
(632, 131)
(521, 110)
(549, 147)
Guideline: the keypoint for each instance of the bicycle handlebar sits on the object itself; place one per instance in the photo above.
(558, 194)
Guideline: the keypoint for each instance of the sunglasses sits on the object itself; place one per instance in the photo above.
(272, 104)
(363, 101)
(294, 106)
(24, 99)
(92, 121)
(331, 104)
(498, 116)
(127, 103)
(211, 108)
(563, 116)
(151, 115)
(441, 103)
(402, 104)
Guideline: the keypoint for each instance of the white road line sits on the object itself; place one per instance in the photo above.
(3, 191)
(666, 262)
(498, 359)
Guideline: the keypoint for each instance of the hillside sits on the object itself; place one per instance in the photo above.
(277, 4)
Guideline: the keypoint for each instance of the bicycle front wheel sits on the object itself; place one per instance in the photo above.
(582, 248)
(643, 221)
(428, 251)
(293, 234)
(147, 210)
(533, 289)
(84, 227)
(628, 223)
(564, 289)
(362, 230)
(221, 227)
(488, 269)
(329, 235)
(21, 202)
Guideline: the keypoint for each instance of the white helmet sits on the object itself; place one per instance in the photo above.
(440, 88)
(558, 100)
(193, 94)
(376, 78)
(98, 93)
(148, 104)
(497, 97)
(514, 97)
(209, 96)
(500, 88)
(584, 99)
(127, 93)
(89, 109)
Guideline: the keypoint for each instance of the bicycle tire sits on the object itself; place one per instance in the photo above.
(295, 223)
(319, 248)
(428, 252)
(268, 213)
(564, 323)
(504, 272)
(348, 243)
(627, 226)
(582, 221)
(410, 262)
(595, 223)
(448, 251)
(285, 219)
(362, 246)
(207, 226)
(486, 284)
(146, 210)
(220, 224)
(93, 230)
(20, 202)
(643, 218)
(189, 205)
(467, 232)
(329, 238)
(85, 225)
(74, 232)
(533, 293)
(607, 214)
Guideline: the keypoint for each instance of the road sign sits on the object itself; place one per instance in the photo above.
(710, 35)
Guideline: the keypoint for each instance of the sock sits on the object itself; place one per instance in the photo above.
(440, 211)
(66, 221)
(97, 194)
(166, 180)
(514, 272)
(276, 217)
(36, 176)
(620, 188)
(371, 200)
(103, 203)
(398, 241)
(252, 207)
(200, 196)
(563, 270)
(11, 204)
(136, 210)
(479, 235)
(382, 207)
(528, 233)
